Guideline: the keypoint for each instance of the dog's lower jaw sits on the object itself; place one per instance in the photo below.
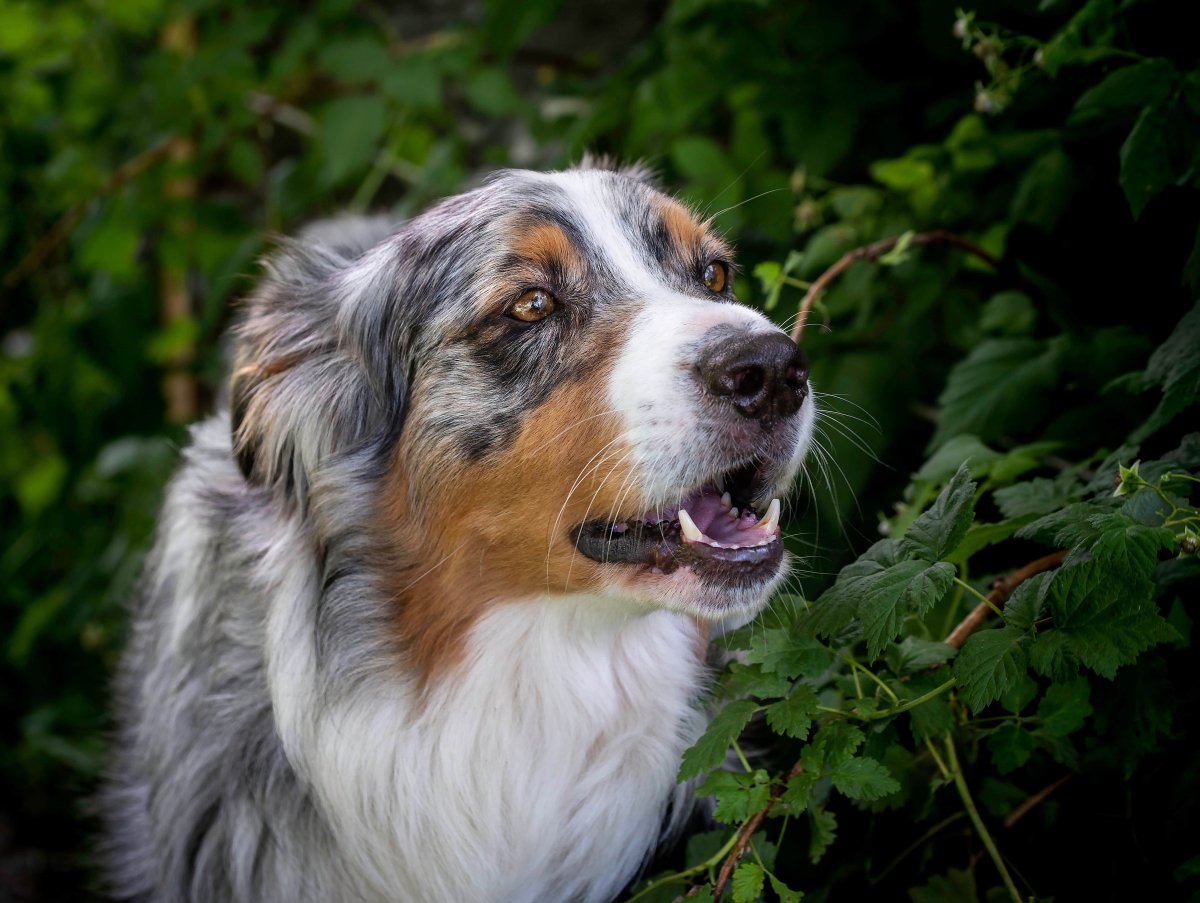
(542, 768)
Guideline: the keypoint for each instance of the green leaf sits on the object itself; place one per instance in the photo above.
(863, 778)
(937, 532)
(1146, 165)
(930, 719)
(747, 882)
(351, 130)
(835, 743)
(1102, 625)
(990, 662)
(1001, 385)
(908, 587)
(783, 892)
(960, 450)
(1010, 747)
(355, 60)
(1175, 367)
(1028, 601)
(789, 654)
(1121, 94)
(838, 605)
(914, 654)
(709, 751)
(794, 715)
(956, 886)
(1019, 695)
(1008, 313)
(738, 795)
(824, 830)
(903, 174)
(1038, 496)
(1065, 707)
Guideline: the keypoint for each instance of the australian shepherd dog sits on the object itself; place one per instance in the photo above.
(427, 614)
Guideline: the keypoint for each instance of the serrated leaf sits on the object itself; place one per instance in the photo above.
(1019, 695)
(999, 386)
(1100, 623)
(1028, 601)
(789, 654)
(750, 680)
(956, 886)
(794, 715)
(960, 450)
(990, 662)
(839, 604)
(1010, 747)
(930, 719)
(747, 882)
(1050, 656)
(937, 532)
(824, 832)
(863, 778)
(835, 743)
(914, 654)
(783, 892)
(794, 798)
(737, 795)
(1076, 525)
(1038, 496)
(709, 751)
(1065, 707)
(908, 587)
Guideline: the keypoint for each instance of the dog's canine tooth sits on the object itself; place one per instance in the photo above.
(688, 527)
(726, 500)
(770, 520)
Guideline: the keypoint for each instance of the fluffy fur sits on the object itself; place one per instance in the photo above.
(368, 661)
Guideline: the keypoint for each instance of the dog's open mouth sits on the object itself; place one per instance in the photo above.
(714, 531)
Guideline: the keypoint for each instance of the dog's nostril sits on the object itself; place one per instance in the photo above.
(748, 382)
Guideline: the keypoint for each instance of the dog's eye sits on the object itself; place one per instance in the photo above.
(715, 276)
(536, 304)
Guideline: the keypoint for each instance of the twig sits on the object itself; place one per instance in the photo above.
(1001, 590)
(746, 832)
(873, 252)
(1022, 810)
(126, 172)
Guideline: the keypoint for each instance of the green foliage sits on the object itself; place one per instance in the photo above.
(148, 149)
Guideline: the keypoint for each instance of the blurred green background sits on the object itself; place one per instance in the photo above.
(149, 149)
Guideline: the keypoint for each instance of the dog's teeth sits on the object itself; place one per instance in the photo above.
(688, 526)
(733, 512)
(726, 501)
(770, 520)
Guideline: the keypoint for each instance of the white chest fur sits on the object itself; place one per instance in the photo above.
(541, 770)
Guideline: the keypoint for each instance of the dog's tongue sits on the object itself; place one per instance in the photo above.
(709, 517)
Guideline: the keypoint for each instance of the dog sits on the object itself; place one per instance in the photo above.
(427, 612)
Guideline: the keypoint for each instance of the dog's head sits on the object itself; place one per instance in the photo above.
(544, 387)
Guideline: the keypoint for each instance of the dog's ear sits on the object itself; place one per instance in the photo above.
(301, 391)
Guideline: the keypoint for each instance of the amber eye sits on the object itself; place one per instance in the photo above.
(536, 304)
(715, 276)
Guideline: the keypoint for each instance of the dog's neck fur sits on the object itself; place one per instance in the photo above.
(518, 751)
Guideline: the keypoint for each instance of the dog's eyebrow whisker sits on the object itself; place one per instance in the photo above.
(761, 194)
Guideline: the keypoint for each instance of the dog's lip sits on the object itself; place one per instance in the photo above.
(714, 531)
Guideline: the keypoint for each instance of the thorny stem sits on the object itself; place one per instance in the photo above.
(960, 782)
(873, 252)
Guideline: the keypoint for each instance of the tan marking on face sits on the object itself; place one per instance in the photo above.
(500, 532)
(547, 246)
(680, 225)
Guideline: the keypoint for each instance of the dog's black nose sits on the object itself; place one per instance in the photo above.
(763, 375)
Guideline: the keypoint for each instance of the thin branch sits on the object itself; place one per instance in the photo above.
(1001, 590)
(746, 832)
(872, 253)
(126, 172)
(1022, 810)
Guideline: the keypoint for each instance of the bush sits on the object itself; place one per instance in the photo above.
(1009, 384)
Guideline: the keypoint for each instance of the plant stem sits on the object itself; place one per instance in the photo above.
(687, 873)
(960, 782)
(854, 663)
(742, 758)
(980, 596)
